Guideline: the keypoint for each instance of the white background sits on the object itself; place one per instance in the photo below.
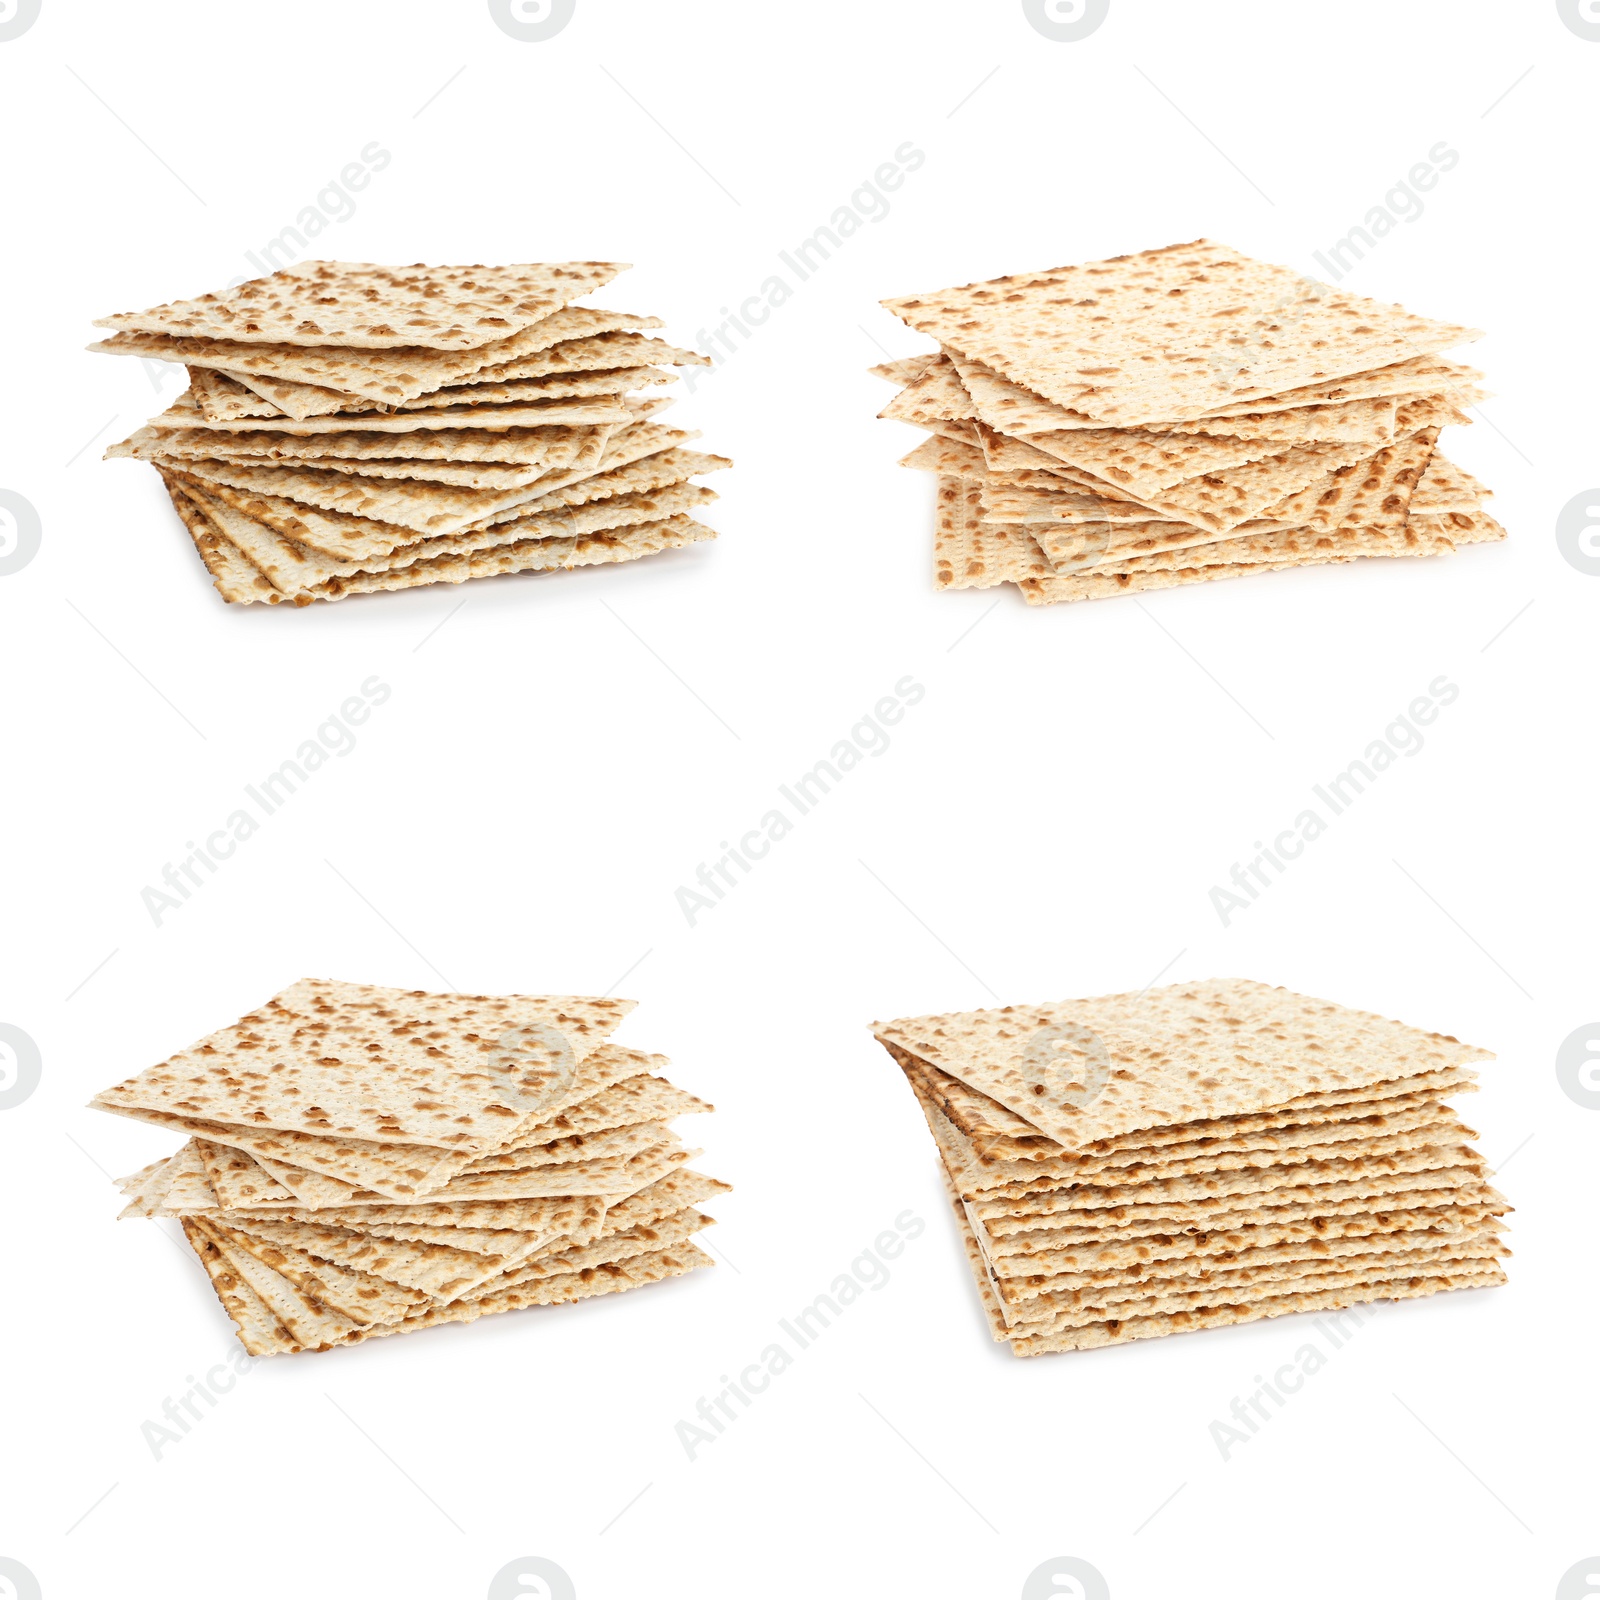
(560, 753)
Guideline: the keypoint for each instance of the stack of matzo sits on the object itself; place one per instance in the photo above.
(1179, 416)
(367, 1161)
(1144, 1164)
(349, 428)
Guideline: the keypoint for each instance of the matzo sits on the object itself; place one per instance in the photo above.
(1171, 333)
(1148, 1159)
(362, 306)
(1187, 387)
(339, 412)
(280, 372)
(583, 1189)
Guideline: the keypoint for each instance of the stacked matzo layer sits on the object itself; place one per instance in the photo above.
(1179, 416)
(349, 428)
(366, 1161)
(1142, 1164)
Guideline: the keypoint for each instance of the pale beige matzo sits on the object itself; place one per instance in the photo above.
(969, 553)
(452, 1072)
(1170, 333)
(1172, 1055)
(387, 375)
(362, 305)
